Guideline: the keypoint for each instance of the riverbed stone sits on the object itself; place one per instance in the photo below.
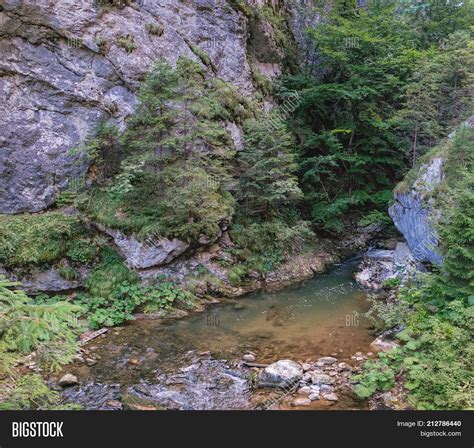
(301, 402)
(327, 360)
(305, 390)
(321, 378)
(68, 380)
(313, 396)
(330, 396)
(383, 345)
(249, 357)
(281, 374)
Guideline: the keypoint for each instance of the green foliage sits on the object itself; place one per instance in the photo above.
(154, 29)
(261, 245)
(173, 175)
(438, 95)
(391, 283)
(434, 361)
(383, 94)
(44, 238)
(68, 273)
(164, 295)
(435, 358)
(267, 182)
(50, 329)
(456, 204)
(114, 293)
(29, 392)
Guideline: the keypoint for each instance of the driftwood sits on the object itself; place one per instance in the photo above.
(92, 335)
(254, 364)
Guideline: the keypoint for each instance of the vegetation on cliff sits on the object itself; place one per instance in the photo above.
(434, 360)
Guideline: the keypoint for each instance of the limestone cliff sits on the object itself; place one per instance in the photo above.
(68, 65)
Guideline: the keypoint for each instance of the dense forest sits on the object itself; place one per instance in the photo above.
(389, 82)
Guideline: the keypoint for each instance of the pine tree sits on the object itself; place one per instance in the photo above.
(268, 182)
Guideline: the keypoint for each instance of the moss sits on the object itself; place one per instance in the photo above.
(68, 273)
(38, 239)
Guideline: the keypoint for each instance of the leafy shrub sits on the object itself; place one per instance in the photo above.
(391, 283)
(152, 28)
(261, 246)
(434, 361)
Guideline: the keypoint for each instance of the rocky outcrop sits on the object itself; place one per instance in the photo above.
(379, 266)
(413, 213)
(66, 66)
(49, 280)
(152, 252)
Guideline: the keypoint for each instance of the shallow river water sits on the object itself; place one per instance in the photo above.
(320, 317)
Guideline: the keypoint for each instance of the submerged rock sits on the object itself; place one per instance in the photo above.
(94, 396)
(207, 384)
(281, 374)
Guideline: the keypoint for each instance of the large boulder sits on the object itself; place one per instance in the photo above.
(281, 374)
(145, 254)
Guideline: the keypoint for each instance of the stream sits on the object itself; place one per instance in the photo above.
(195, 362)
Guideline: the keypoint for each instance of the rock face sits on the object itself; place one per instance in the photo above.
(281, 374)
(66, 66)
(379, 266)
(49, 280)
(141, 255)
(413, 213)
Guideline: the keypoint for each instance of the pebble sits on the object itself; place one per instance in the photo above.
(91, 362)
(330, 397)
(249, 357)
(313, 397)
(321, 378)
(305, 390)
(327, 360)
(306, 367)
(301, 402)
(343, 366)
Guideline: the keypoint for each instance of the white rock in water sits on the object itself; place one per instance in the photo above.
(249, 357)
(281, 374)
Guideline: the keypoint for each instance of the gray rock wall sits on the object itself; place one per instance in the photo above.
(414, 216)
